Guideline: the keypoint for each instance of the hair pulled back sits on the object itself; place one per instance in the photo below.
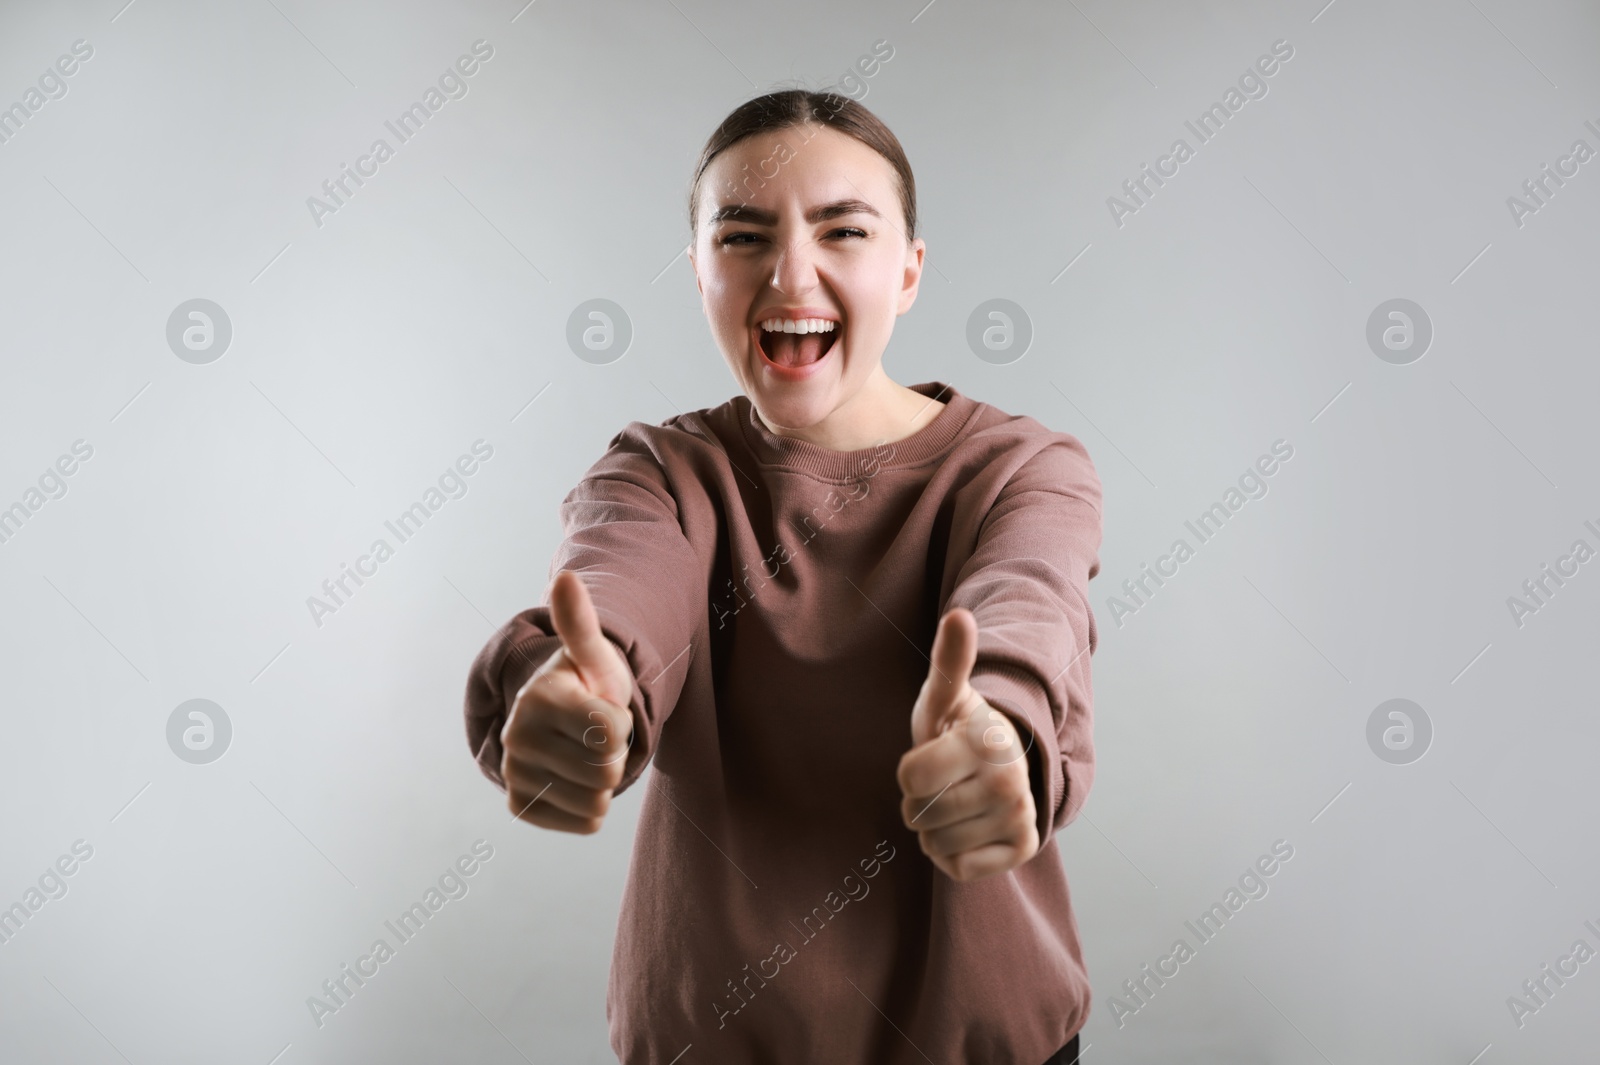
(789, 108)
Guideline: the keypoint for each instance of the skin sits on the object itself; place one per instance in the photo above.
(859, 265)
(964, 781)
(564, 743)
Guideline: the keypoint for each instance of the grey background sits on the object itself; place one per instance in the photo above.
(368, 353)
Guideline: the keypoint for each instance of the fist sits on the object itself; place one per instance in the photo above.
(565, 741)
(965, 779)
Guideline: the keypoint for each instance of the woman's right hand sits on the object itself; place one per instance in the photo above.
(566, 739)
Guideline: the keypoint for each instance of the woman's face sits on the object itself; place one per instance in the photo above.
(804, 223)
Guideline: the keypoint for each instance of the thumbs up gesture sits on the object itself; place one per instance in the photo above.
(965, 778)
(565, 741)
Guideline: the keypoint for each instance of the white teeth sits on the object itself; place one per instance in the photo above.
(802, 325)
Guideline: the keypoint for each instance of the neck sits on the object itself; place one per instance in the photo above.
(882, 411)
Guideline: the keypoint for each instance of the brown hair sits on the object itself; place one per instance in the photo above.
(793, 107)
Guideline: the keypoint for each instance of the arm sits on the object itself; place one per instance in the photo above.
(622, 535)
(1026, 584)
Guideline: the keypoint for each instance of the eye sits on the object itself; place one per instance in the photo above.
(733, 238)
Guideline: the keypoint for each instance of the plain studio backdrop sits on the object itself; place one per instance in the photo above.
(1441, 858)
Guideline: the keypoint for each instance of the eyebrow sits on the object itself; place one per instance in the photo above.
(743, 212)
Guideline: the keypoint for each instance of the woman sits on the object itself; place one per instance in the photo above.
(847, 619)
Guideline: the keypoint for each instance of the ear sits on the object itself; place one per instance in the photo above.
(696, 268)
(913, 275)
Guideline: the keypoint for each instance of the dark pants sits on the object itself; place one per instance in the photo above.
(1067, 1055)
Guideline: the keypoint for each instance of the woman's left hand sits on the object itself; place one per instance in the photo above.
(965, 780)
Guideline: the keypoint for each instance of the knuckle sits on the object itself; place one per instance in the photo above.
(908, 772)
(612, 772)
(1004, 783)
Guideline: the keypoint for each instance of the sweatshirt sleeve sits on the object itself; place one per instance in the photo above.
(623, 536)
(1026, 584)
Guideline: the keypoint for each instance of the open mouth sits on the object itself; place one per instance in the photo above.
(797, 350)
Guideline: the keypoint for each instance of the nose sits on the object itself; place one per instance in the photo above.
(795, 270)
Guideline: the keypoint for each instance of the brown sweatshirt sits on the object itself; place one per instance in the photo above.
(776, 602)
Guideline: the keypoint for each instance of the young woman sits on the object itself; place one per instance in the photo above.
(847, 620)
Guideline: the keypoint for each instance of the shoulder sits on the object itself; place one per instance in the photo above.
(687, 447)
(1022, 453)
(1034, 488)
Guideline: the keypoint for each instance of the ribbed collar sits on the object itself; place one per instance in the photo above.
(806, 457)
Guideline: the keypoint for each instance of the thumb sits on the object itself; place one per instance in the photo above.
(947, 691)
(578, 626)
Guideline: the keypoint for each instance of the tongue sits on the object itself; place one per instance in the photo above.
(797, 349)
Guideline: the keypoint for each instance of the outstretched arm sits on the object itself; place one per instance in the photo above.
(648, 585)
(1027, 585)
(1002, 753)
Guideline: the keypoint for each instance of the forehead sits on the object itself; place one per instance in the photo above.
(810, 163)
